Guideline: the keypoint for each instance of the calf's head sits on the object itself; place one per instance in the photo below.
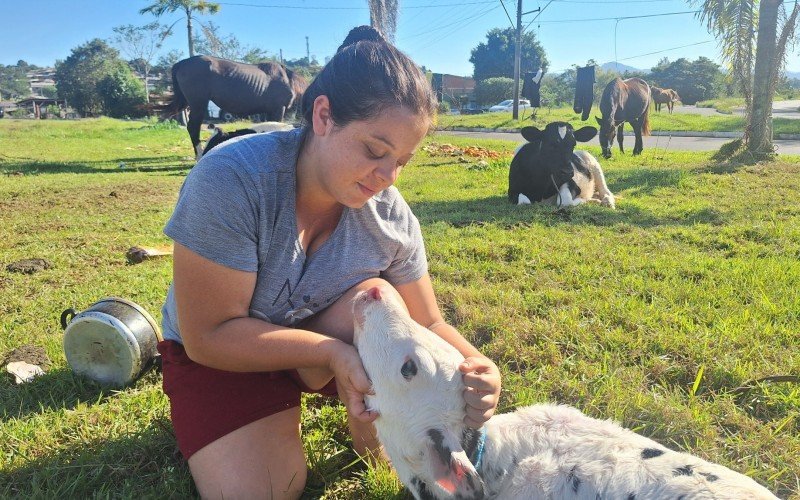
(418, 394)
(555, 145)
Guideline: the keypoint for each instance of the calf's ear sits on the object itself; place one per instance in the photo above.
(585, 134)
(453, 474)
(531, 133)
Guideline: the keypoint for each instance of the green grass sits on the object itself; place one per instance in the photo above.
(723, 104)
(658, 121)
(615, 312)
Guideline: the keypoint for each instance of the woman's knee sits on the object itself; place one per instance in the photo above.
(243, 464)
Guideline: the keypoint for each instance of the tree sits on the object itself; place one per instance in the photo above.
(495, 58)
(694, 81)
(493, 90)
(735, 24)
(122, 93)
(163, 67)
(383, 16)
(13, 81)
(189, 7)
(82, 79)
(140, 44)
(213, 43)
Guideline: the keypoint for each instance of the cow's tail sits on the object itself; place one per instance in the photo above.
(178, 102)
(646, 121)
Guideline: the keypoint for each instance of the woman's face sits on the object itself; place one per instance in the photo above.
(363, 158)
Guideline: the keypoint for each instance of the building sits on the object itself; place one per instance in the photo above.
(39, 79)
(37, 106)
(459, 91)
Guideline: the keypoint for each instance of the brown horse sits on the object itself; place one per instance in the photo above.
(624, 101)
(664, 96)
(239, 88)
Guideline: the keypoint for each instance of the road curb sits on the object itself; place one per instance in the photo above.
(664, 133)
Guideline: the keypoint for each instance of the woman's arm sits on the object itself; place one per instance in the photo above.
(213, 303)
(481, 375)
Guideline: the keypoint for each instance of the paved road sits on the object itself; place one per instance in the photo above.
(661, 142)
(780, 109)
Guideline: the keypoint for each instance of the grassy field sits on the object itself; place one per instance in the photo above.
(652, 314)
(658, 121)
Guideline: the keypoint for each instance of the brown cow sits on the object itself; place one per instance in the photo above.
(664, 96)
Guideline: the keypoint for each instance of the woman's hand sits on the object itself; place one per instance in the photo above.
(482, 378)
(352, 382)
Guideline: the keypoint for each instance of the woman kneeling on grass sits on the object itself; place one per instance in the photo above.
(274, 235)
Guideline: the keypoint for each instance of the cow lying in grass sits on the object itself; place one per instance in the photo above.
(219, 136)
(548, 169)
(538, 452)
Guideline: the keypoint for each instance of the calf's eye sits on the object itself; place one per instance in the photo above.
(409, 369)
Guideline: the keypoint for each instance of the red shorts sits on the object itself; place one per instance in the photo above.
(207, 403)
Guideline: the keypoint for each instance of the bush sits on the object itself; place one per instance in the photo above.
(123, 94)
(444, 107)
(493, 90)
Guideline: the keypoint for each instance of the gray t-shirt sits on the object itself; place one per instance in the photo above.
(236, 208)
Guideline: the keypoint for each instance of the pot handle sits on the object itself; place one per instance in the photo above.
(69, 312)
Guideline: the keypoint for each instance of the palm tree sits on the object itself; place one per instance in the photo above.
(383, 15)
(747, 32)
(160, 7)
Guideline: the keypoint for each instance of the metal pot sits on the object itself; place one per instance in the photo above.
(112, 342)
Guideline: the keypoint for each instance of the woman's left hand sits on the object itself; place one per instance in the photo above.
(482, 378)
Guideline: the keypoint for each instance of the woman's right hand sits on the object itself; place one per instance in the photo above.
(352, 382)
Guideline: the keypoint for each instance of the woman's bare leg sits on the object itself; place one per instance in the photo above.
(263, 459)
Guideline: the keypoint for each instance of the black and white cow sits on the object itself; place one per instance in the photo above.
(543, 451)
(219, 136)
(548, 169)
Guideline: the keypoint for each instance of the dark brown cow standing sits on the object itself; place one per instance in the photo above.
(664, 96)
(243, 89)
(624, 101)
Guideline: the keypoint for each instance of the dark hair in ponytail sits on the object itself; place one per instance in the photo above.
(366, 76)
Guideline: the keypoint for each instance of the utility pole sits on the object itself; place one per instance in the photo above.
(517, 62)
(281, 56)
(518, 57)
(308, 54)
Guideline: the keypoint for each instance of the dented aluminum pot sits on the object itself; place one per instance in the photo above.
(112, 342)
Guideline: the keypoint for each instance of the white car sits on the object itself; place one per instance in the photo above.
(508, 105)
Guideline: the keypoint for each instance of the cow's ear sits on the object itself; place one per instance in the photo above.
(585, 134)
(531, 134)
(454, 476)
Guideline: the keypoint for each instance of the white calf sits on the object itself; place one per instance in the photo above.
(538, 452)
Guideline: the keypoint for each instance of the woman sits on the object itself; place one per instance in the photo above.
(274, 234)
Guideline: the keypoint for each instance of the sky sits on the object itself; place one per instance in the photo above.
(438, 34)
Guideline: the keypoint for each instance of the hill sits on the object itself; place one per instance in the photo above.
(620, 68)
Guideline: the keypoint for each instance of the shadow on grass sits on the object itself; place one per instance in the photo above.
(55, 390)
(497, 210)
(143, 465)
(646, 180)
(138, 164)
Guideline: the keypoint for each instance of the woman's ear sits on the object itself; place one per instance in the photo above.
(321, 119)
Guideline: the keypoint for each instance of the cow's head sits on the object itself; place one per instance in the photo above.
(558, 140)
(608, 130)
(418, 394)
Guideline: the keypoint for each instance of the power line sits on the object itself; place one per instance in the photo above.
(507, 14)
(298, 7)
(617, 18)
(537, 15)
(462, 24)
(666, 50)
(457, 21)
